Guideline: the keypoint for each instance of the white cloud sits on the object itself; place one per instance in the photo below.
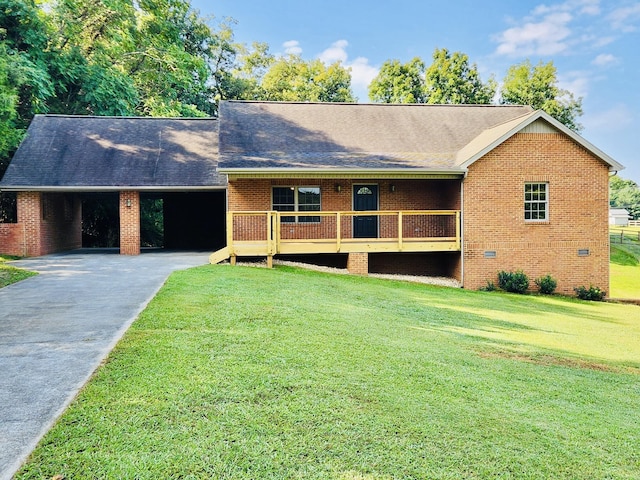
(548, 30)
(335, 53)
(585, 7)
(604, 59)
(613, 119)
(546, 37)
(292, 47)
(361, 71)
(625, 18)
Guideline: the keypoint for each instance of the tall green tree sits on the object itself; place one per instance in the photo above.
(293, 79)
(625, 194)
(450, 79)
(399, 83)
(525, 84)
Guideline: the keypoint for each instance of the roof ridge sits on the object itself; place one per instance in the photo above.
(120, 117)
(387, 105)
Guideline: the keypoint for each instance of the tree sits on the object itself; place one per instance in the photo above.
(293, 79)
(451, 80)
(399, 83)
(537, 86)
(625, 194)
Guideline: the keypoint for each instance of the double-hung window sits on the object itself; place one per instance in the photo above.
(297, 199)
(536, 202)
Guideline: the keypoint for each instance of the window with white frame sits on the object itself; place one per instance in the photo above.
(297, 199)
(536, 201)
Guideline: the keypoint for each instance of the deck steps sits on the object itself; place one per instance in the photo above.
(219, 255)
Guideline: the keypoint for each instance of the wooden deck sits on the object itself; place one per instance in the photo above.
(254, 234)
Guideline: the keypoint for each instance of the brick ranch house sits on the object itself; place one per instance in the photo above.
(462, 191)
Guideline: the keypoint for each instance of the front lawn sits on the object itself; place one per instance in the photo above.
(238, 372)
(9, 274)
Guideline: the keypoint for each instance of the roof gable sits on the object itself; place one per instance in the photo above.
(76, 152)
(537, 120)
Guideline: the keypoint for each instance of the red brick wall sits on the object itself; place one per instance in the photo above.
(47, 223)
(493, 215)
(130, 223)
(358, 263)
(61, 222)
(12, 239)
(255, 194)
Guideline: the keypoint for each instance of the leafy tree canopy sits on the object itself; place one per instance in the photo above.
(293, 79)
(625, 194)
(537, 86)
(450, 79)
(399, 83)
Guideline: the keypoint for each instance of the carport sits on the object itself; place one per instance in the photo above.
(66, 159)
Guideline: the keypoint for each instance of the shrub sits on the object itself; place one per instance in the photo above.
(546, 284)
(515, 282)
(491, 287)
(591, 293)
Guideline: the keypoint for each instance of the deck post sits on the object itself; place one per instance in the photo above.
(458, 229)
(339, 229)
(400, 231)
(230, 234)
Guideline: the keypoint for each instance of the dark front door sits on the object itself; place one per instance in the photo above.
(365, 197)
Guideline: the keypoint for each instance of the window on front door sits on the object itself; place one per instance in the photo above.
(297, 199)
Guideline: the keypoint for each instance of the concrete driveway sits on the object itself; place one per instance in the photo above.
(57, 327)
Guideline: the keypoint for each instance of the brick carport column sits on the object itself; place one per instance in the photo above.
(129, 223)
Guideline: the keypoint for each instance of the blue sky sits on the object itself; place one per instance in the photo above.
(594, 45)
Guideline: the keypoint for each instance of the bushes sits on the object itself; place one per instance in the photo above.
(518, 282)
(515, 282)
(546, 285)
(591, 293)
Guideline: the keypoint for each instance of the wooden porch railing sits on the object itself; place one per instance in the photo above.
(270, 233)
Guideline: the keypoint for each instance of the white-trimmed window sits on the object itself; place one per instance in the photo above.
(536, 201)
(297, 199)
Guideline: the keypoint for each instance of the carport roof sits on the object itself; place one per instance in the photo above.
(80, 153)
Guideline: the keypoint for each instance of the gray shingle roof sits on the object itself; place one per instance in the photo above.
(68, 152)
(257, 135)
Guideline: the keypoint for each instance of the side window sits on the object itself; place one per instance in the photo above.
(297, 199)
(536, 202)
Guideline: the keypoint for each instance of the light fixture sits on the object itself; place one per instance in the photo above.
(338, 187)
(127, 202)
(392, 188)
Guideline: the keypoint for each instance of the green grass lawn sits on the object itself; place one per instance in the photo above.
(625, 263)
(9, 274)
(237, 372)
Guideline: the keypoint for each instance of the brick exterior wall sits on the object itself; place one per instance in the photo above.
(358, 263)
(248, 194)
(493, 213)
(12, 239)
(130, 223)
(47, 223)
